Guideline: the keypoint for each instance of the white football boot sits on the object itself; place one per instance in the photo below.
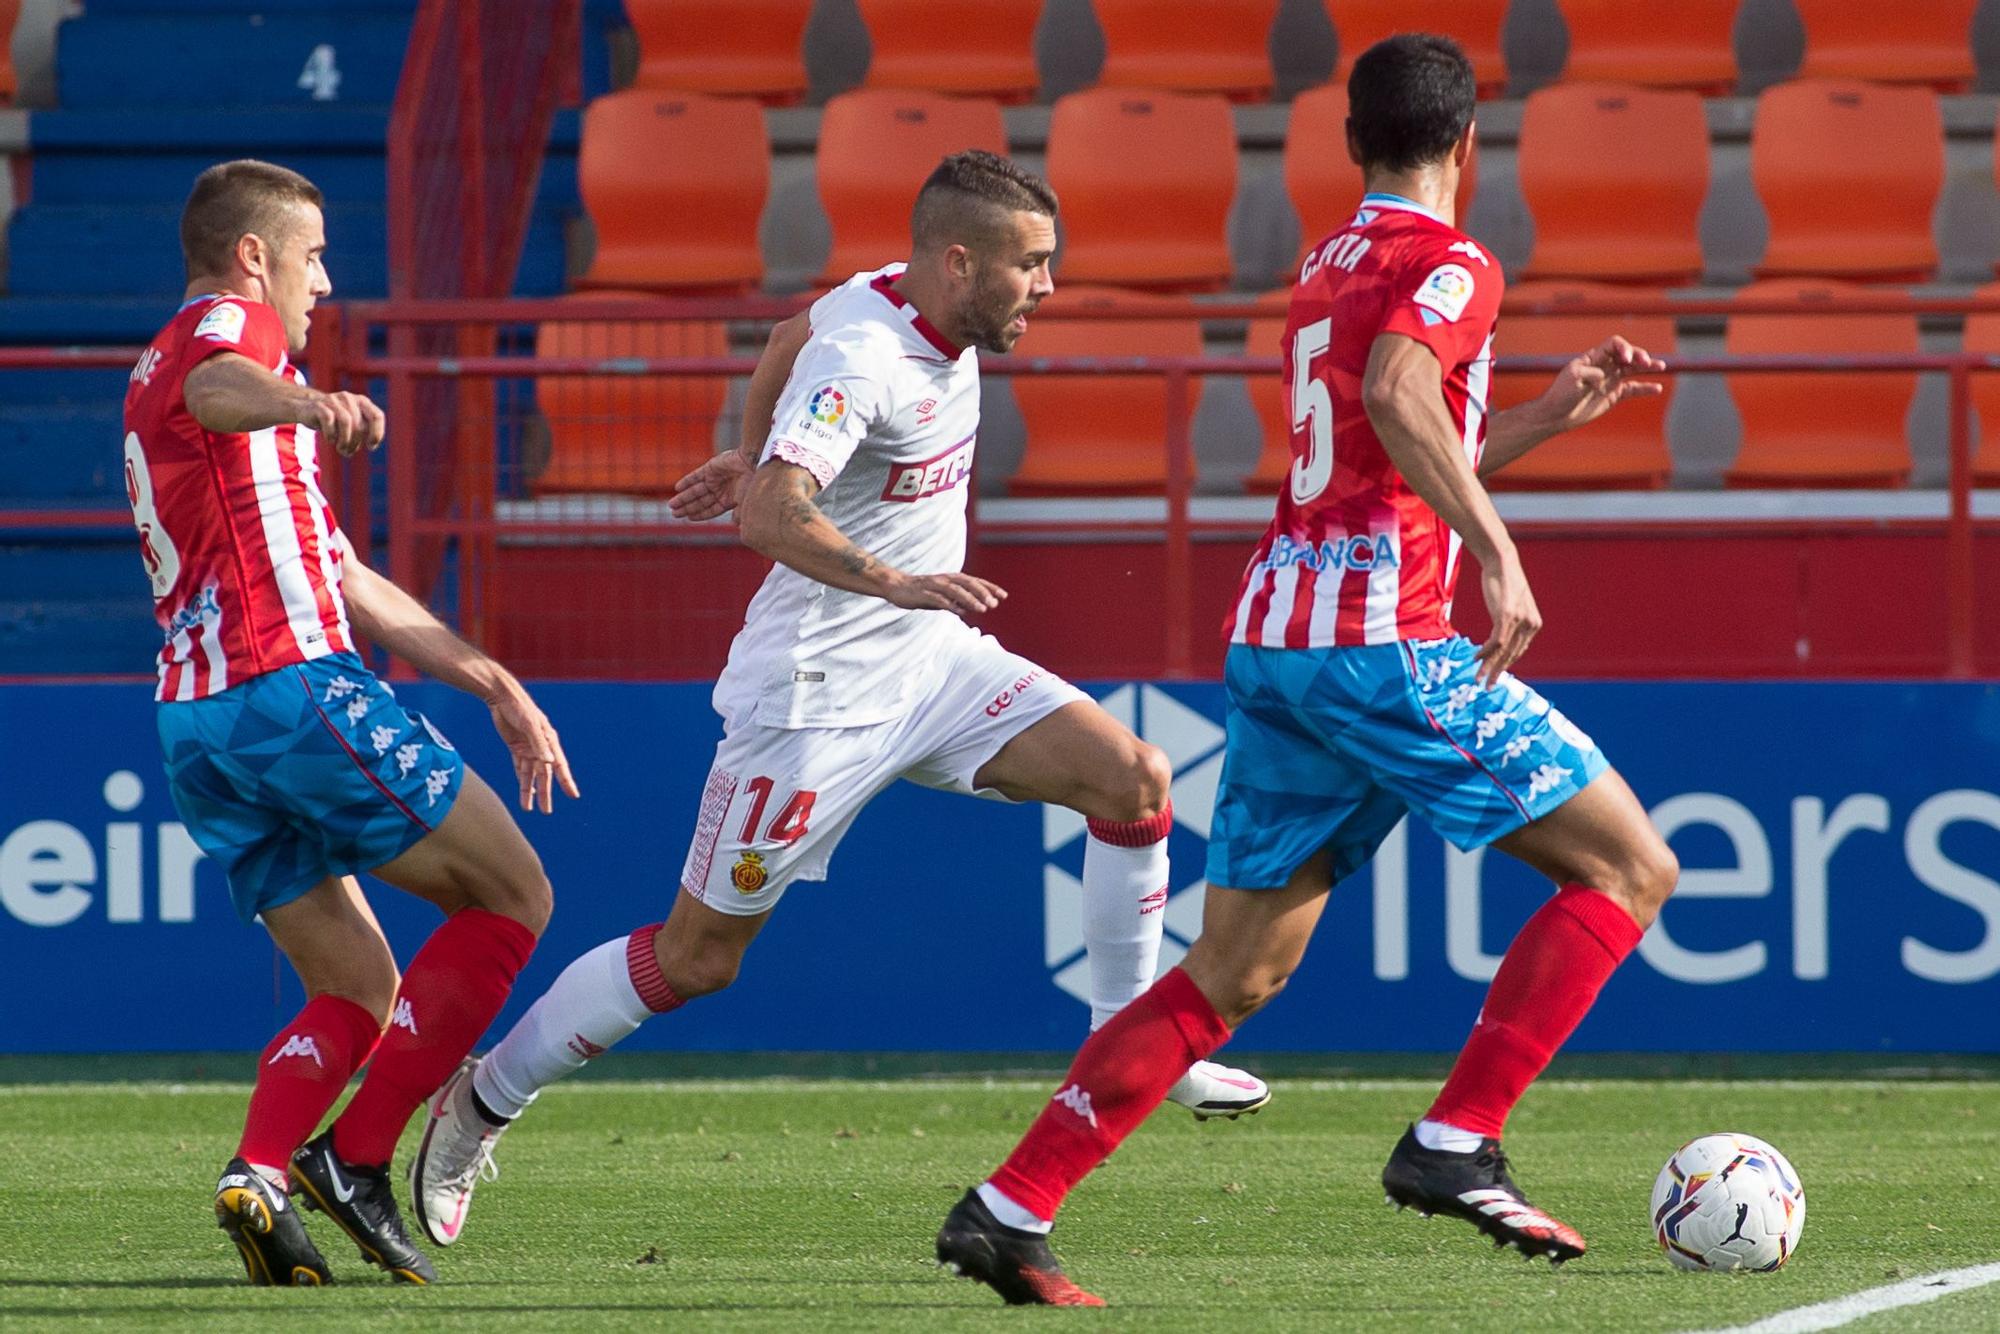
(1209, 1090)
(455, 1155)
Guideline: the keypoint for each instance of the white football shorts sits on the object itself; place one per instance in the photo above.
(779, 799)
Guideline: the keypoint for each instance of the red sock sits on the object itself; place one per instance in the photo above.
(301, 1074)
(1118, 1078)
(1546, 984)
(454, 987)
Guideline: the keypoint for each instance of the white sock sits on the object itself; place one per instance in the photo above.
(1124, 912)
(1443, 1135)
(593, 1002)
(1011, 1214)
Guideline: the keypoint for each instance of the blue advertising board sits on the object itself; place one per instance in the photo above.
(1840, 892)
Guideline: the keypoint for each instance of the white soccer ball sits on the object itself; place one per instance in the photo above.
(1728, 1202)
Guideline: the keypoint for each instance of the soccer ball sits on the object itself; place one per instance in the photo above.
(1728, 1202)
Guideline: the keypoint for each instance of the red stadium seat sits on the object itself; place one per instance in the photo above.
(1818, 428)
(1927, 43)
(1982, 334)
(876, 146)
(983, 48)
(1850, 174)
(10, 11)
(747, 47)
(1473, 24)
(1146, 182)
(1685, 44)
(1625, 449)
(675, 183)
(1099, 435)
(1615, 177)
(1323, 182)
(1188, 46)
(630, 434)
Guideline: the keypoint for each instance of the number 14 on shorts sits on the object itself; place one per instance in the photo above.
(788, 825)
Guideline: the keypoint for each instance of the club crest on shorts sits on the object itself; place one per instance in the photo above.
(749, 875)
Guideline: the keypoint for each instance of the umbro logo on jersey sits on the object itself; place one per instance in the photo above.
(1078, 1101)
(405, 1018)
(929, 477)
(298, 1044)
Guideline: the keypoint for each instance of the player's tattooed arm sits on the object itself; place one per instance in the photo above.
(779, 518)
(229, 393)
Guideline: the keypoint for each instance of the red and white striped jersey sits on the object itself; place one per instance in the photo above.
(1353, 555)
(236, 537)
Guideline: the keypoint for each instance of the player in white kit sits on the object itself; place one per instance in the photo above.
(854, 667)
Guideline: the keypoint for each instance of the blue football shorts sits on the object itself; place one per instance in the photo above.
(1330, 747)
(309, 771)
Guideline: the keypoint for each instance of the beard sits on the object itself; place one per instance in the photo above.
(988, 314)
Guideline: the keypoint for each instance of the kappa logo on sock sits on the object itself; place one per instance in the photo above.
(1077, 1100)
(1154, 901)
(405, 1018)
(298, 1044)
(584, 1047)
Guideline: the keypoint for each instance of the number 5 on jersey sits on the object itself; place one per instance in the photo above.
(788, 825)
(1312, 412)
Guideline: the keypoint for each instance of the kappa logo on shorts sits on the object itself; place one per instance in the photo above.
(749, 875)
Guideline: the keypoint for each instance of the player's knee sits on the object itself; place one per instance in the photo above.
(522, 893)
(696, 972)
(1144, 787)
(1658, 872)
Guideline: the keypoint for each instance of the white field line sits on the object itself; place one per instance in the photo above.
(1872, 1301)
(1015, 1083)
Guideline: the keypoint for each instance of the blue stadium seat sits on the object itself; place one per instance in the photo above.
(295, 57)
(76, 605)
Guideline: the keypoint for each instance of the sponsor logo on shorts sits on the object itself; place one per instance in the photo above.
(1005, 699)
(749, 875)
(930, 477)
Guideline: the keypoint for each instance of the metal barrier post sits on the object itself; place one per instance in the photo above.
(1959, 598)
(1180, 539)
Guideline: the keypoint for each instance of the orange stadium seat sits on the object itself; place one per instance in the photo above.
(1625, 449)
(978, 47)
(746, 47)
(1982, 334)
(1849, 174)
(1820, 428)
(1323, 182)
(10, 10)
(876, 146)
(1473, 24)
(1686, 44)
(675, 183)
(1615, 177)
(1188, 46)
(1927, 43)
(1099, 435)
(1146, 182)
(633, 434)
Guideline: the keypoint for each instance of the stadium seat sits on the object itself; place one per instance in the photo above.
(1615, 177)
(1188, 46)
(1686, 44)
(675, 183)
(1099, 435)
(1928, 43)
(876, 146)
(1820, 428)
(1473, 24)
(1323, 182)
(983, 48)
(1849, 174)
(745, 47)
(1623, 450)
(1982, 334)
(10, 10)
(1146, 182)
(632, 434)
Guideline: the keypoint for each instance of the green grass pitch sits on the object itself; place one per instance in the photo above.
(803, 1204)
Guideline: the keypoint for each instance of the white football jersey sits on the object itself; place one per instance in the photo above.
(883, 410)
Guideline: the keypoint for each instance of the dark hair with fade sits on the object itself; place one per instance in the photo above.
(1409, 100)
(967, 199)
(231, 199)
